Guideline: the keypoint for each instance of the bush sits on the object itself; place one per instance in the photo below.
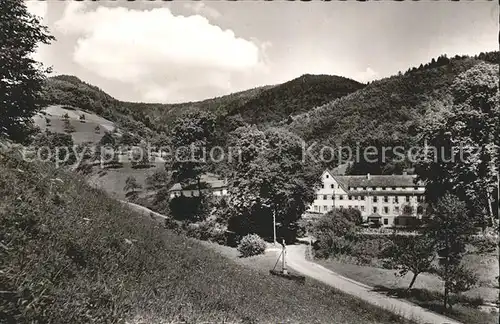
(172, 224)
(484, 244)
(367, 251)
(212, 231)
(301, 228)
(336, 233)
(251, 244)
(190, 209)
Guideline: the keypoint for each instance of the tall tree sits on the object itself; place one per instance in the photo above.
(269, 177)
(463, 144)
(21, 77)
(192, 139)
(132, 187)
(451, 229)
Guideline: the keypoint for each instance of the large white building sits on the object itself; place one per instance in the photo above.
(390, 200)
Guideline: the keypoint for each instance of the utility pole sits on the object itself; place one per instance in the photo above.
(274, 222)
(498, 194)
(498, 220)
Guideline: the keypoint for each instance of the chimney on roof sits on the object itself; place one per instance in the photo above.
(368, 176)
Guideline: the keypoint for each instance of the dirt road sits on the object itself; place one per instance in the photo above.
(295, 259)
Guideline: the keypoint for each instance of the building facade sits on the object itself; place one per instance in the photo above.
(389, 200)
(210, 185)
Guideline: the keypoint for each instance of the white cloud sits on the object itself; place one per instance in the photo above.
(367, 75)
(38, 8)
(202, 9)
(166, 57)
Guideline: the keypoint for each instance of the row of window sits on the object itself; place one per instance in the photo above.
(195, 193)
(385, 199)
(385, 210)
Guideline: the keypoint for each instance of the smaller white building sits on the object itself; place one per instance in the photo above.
(211, 184)
(389, 200)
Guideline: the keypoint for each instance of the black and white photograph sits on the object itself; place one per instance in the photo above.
(248, 162)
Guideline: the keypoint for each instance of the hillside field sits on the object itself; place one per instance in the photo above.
(70, 253)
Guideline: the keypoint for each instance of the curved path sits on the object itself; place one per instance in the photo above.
(144, 210)
(296, 259)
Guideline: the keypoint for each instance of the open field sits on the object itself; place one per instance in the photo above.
(84, 132)
(113, 180)
(384, 280)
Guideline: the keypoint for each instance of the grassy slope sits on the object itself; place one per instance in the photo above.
(84, 132)
(70, 254)
(71, 91)
(112, 181)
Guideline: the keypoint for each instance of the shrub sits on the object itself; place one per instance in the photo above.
(336, 233)
(301, 229)
(368, 250)
(484, 244)
(191, 209)
(68, 127)
(251, 244)
(172, 224)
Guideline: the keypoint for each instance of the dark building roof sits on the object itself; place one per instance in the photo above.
(340, 170)
(208, 181)
(388, 181)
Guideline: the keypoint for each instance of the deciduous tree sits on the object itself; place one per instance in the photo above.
(413, 255)
(270, 176)
(21, 77)
(463, 144)
(451, 229)
(192, 138)
(131, 187)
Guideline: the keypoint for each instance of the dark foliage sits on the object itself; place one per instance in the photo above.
(21, 77)
(293, 97)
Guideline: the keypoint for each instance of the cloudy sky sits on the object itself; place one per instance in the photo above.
(153, 51)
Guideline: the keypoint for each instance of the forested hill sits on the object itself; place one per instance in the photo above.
(319, 108)
(255, 106)
(165, 114)
(261, 105)
(294, 97)
(386, 110)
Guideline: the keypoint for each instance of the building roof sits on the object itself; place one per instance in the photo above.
(207, 181)
(340, 170)
(377, 181)
(176, 186)
(386, 192)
